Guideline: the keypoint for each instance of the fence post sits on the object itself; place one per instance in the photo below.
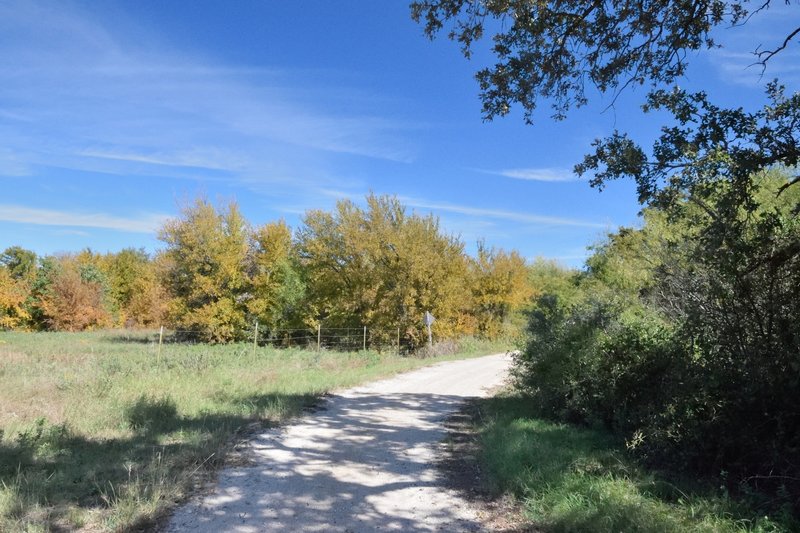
(160, 339)
(398, 341)
(255, 339)
(319, 335)
(365, 338)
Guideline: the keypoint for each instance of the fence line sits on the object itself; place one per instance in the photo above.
(320, 338)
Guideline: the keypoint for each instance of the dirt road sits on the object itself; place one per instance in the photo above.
(364, 462)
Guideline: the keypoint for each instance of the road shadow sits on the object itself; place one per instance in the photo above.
(364, 462)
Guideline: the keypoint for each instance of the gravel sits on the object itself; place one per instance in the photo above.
(365, 461)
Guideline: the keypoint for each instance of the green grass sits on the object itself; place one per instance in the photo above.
(98, 432)
(575, 479)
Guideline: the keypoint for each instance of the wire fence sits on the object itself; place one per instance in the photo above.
(319, 338)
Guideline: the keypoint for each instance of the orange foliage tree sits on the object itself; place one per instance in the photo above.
(74, 300)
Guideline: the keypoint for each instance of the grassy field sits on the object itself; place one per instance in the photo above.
(575, 479)
(97, 432)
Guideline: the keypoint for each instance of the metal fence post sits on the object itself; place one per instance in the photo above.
(160, 340)
(319, 335)
(255, 339)
(365, 338)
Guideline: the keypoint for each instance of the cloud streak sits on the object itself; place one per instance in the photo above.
(535, 174)
(79, 95)
(145, 223)
(514, 216)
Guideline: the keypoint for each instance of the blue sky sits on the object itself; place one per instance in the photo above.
(114, 114)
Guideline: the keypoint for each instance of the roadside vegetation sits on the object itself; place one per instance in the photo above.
(672, 356)
(96, 432)
(572, 478)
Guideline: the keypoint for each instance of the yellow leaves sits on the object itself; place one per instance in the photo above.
(500, 287)
(207, 252)
(12, 299)
(382, 267)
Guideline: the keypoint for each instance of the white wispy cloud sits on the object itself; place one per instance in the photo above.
(535, 174)
(79, 95)
(514, 216)
(144, 223)
(212, 159)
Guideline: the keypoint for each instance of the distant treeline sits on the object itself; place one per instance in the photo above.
(378, 266)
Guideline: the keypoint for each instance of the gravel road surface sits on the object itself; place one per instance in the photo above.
(363, 462)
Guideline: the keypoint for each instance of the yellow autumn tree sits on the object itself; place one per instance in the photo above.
(134, 289)
(205, 271)
(500, 289)
(13, 293)
(383, 267)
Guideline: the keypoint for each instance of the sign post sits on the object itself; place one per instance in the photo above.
(428, 320)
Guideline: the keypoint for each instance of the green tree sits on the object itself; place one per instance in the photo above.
(20, 263)
(206, 256)
(123, 269)
(278, 289)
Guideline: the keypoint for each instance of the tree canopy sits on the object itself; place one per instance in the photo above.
(555, 49)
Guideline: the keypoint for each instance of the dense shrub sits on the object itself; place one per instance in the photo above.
(684, 338)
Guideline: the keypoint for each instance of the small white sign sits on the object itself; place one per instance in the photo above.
(429, 319)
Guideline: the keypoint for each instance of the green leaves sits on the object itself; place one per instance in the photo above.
(553, 50)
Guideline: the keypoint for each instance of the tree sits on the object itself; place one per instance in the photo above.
(134, 289)
(277, 287)
(74, 299)
(554, 49)
(20, 263)
(689, 326)
(712, 157)
(206, 256)
(13, 293)
(383, 268)
(500, 289)
(17, 273)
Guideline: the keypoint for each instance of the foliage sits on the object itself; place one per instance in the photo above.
(682, 335)
(577, 479)
(673, 338)
(277, 286)
(205, 275)
(708, 145)
(13, 294)
(553, 50)
(376, 266)
(20, 263)
(74, 300)
(134, 290)
(500, 287)
(148, 304)
(384, 268)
